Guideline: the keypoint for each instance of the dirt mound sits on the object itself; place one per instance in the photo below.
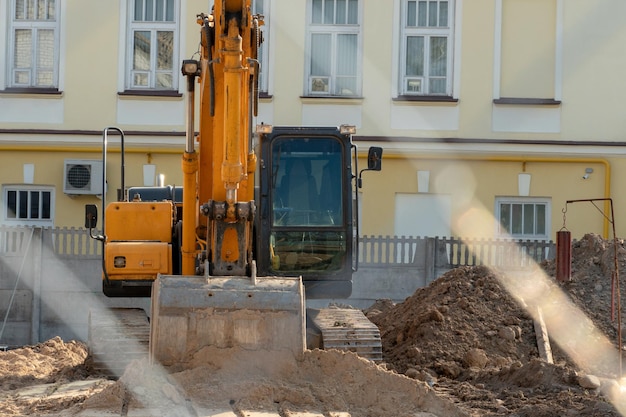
(474, 342)
(463, 320)
(329, 381)
(51, 361)
(592, 286)
(26, 371)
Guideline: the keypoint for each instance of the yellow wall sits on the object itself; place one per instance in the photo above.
(91, 80)
(528, 48)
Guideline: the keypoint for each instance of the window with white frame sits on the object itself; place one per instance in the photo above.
(333, 48)
(28, 205)
(33, 52)
(426, 47)
(261, 7)
(523, 217)
(153, 45)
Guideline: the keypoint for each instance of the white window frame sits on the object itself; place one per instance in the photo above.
(334, 30)
(29, 219)
(262, 7)
(502, 231)
(34, 24)
(421, 83)
(153, 27)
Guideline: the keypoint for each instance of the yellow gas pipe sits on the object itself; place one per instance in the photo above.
(607, 168)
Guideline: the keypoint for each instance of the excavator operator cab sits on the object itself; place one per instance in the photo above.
(306, 221)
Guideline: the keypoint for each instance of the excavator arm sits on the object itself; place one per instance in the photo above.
(224, 179)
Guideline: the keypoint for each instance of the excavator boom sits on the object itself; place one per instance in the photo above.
(226, 305)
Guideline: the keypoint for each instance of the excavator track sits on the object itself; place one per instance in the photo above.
(349, 330)
(117, 336)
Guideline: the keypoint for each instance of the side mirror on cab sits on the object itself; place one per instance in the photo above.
(91, 220)
(374, 159)
(374, 162)
(91, 216)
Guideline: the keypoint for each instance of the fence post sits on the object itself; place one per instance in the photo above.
(37, 254)
(429, 259)
(441, 255)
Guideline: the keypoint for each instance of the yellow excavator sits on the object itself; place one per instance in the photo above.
(230, 257)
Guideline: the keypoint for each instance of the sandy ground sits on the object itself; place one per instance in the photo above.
(325, 381)
(463, 346)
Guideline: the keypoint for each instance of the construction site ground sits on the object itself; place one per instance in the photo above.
(466, 345)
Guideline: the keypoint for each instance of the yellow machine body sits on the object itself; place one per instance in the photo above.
(138, 260)
(139, 236)
(191, 249)
(139, 220)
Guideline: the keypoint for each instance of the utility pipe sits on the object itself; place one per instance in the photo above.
(95, 149)
(478, 158)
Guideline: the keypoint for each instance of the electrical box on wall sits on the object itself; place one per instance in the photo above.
(82, 177)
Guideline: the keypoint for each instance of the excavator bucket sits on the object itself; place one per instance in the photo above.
(191, 313)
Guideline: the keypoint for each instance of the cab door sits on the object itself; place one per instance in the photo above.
(305, 225)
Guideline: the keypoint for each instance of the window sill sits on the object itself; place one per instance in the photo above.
(32, 91)
(265, 96)
(331, 99)
(525, 238)
(527, 101)
(26, 223)
(426, 99)
(150, 93)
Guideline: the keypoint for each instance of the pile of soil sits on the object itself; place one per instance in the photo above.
(329, 381)
(53, 362)
(326, 381)
(468, 339)
(475, 343)
(48, 362)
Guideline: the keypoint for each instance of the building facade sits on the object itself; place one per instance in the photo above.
(496, 116)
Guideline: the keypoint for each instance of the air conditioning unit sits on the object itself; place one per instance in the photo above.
(82, 177)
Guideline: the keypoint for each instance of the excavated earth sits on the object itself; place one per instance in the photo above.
(462, 346)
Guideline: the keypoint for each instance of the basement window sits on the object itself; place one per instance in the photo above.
(25, 205)
(523, 218)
